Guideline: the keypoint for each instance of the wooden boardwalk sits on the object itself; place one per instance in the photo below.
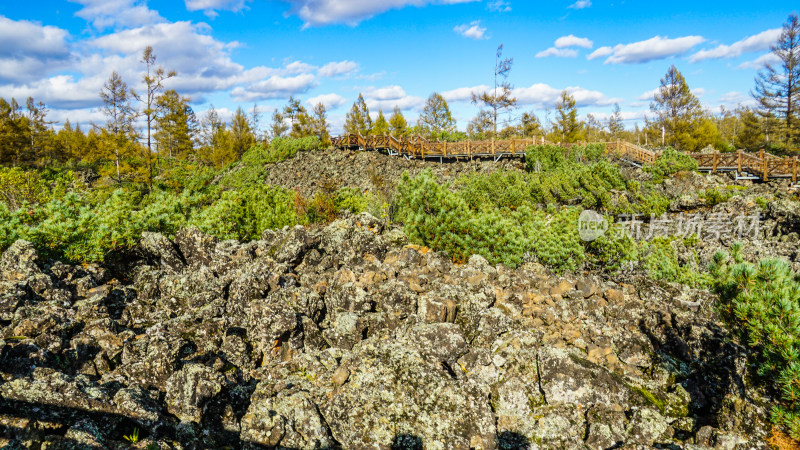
(755, 166)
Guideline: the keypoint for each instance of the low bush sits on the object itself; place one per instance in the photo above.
(245, 214)
(762, 303)
(251, 168)
(669, 163)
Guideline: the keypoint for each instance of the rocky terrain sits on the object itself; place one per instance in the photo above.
(310, 172)
(348, 337)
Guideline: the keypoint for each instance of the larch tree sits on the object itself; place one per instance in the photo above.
(436, 119)
(567, 125)
(358, 120)
(278, 128)
(241, 134)
(501, 97)
(39, 133)
(679, 115)
(381, 126)
(215, 148)
(397, 123)
(120, 115)
(176, 125)
(321, 126)
(614, 124)
(153, 79)
(777, 89)
(13, 132)
(481, 126)
(529, 125)
(751, 134)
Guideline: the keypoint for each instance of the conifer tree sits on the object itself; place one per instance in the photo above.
(397, 123)
(119, 117)
(751, 135)
(381, 126)
(501, 97)
(567, 126)
(241, 136)
(777, 89)
(153, 79)
(614, 125)
(529, 125)
(13, 132)
(176, 125)
(278, 128)
(679, 114)
(436, 119)
(358, 120)
(481, 126)
(321, 126)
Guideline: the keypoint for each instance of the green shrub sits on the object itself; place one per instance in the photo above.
(669, 163)
(499, 189)
(441, 219)
(541, 158)
(762, 302)
(659, 258)
(251, 168)
(246, 213)
(19, 187)
(715, 197)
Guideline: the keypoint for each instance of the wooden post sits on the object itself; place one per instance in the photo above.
(716, 161)
(445, 149)
(739, 162)
(766, 167)
(513, 152)
(469, 149)
(794, 170)
(492, 145)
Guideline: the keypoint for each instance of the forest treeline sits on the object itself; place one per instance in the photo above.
(142, 129)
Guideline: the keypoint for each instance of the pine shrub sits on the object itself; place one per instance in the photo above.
(669, 163)
(762, 302)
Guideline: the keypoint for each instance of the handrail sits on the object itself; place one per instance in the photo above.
(762, 164)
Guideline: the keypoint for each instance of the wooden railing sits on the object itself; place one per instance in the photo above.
(419, 147)
(761, 164)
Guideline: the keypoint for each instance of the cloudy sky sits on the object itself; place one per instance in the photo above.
(231, 53)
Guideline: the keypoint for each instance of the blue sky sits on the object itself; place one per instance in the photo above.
(231, 53)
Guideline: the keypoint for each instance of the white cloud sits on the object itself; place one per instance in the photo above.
(61, 91)
(541, 94)
(499, 6)
(699, 92)
(331, 101)
(463, 94)
(644, 51)
(580, 4)
(274, 87)
(558, 52)
(210, 7)
(473, 30)
(298, 67)
(734, 99)
(388, 97)
(649, 95)
(29, 50)
(325, 12)
(600, 53)
(760, 62)
(334, 69)
(573, 41)
(756, 43)
(104, 14)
